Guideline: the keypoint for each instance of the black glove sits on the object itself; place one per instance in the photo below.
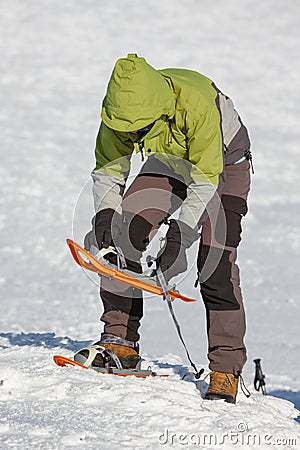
(172, 259)
(106, 227)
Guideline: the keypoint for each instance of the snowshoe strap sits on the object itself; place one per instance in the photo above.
(112, 339)
(114, 357)
(100, 254)
(93, 350)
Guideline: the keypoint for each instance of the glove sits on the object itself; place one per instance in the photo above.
(172, 259)
(106, 227)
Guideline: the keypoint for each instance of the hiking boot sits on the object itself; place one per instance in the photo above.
(129, 357)
(222, 386)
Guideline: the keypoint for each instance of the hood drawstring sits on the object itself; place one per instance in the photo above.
(170, 137)
(139, 147)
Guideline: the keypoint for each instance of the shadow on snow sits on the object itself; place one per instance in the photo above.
(291, 396)
(49, 340)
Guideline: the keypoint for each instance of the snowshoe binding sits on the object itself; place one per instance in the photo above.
(112, 355)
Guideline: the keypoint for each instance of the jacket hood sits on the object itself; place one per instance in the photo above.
(136, 96)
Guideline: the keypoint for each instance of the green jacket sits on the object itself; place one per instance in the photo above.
(183, 104)
(195, 127)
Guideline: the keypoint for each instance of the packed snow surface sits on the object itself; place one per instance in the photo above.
(56, 59)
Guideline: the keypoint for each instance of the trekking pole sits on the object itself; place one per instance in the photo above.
(259, 378)
(163, 285)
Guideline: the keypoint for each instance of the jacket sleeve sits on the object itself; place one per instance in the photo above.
(205, 147)
(113, 153)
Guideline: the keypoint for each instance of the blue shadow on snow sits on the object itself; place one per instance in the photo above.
(182, 371)
(291, 396)
(47, 340)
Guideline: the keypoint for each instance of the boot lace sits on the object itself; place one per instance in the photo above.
(221, 383)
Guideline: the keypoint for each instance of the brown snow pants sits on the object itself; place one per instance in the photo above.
(149, 200)
(219, 273)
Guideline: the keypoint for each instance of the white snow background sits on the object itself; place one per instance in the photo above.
(56, 58)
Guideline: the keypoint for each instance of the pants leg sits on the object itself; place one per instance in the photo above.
(219, 280)
(148, 201)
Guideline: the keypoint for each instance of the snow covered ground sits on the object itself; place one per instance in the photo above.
(56, 58)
